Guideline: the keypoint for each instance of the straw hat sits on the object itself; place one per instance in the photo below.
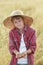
(8, 23)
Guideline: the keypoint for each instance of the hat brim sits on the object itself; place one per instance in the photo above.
(7, 22)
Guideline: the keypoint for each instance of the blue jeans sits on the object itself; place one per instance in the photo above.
(22, 64)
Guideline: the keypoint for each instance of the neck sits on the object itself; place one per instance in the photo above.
(21, 30)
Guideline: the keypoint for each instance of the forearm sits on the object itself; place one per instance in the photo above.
(15, 51)
(28, 51)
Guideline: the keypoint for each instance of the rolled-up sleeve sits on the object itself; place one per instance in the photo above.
(33, 42)
(11, 43)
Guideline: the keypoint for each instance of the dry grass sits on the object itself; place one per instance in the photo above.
(32, 8)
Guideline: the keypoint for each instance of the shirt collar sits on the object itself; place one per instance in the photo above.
(24, 29)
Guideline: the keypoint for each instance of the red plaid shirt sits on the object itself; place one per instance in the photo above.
(30, 42)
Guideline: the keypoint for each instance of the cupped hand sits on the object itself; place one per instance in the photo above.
(21, 55)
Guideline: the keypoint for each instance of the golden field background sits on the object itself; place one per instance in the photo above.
(33, 8)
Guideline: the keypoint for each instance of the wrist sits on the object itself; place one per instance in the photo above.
(28, 51)
(16, 52)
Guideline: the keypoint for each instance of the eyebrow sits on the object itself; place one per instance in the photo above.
(17, 17)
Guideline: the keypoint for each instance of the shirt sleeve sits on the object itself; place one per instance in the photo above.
(33, 42)
(11, 44)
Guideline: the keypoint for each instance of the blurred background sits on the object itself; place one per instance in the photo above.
(33, 8)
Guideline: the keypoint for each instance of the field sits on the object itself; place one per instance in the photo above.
(33, 8)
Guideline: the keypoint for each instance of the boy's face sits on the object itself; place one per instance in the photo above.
(18, 22)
